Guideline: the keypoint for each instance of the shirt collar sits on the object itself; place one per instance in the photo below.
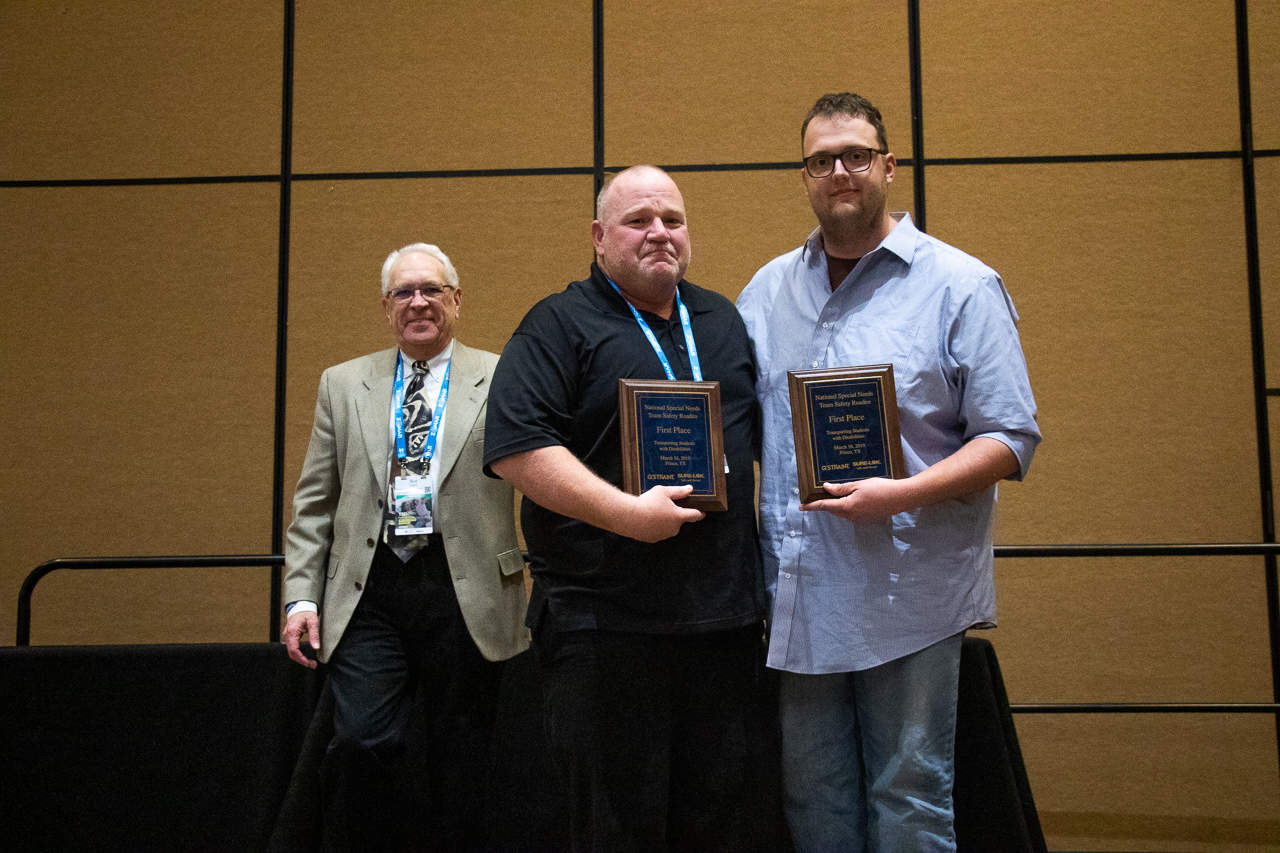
(901, 240)
(690, 295)
(435, 364)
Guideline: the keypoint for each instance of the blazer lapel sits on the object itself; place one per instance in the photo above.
(373, 409)
(467, 394)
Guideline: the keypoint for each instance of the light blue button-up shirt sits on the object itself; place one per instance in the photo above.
(851, 596)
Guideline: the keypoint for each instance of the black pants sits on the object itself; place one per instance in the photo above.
(658, 738)
(407, 629)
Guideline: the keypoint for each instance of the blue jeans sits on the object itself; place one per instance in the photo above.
(868, 757)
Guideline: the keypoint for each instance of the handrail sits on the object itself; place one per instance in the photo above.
(1171, 549)
(1197, 549)
(1205, 549)
(1147, 708)
(203, 561)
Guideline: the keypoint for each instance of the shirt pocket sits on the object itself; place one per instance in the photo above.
(906, 346)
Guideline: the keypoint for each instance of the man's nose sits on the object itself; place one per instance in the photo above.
(658, 229)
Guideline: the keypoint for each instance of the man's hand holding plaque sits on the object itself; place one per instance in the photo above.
(845, 422)
(672, 435)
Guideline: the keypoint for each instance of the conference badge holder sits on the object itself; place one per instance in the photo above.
(411, 505)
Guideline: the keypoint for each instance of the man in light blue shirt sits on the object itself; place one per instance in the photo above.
(873, 588)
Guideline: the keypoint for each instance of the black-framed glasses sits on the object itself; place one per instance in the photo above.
(854, 159)
(430, 292)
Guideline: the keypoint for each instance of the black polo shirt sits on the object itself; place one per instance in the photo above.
(557, 384)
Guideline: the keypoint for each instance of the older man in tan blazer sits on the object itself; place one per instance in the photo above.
(402, 565)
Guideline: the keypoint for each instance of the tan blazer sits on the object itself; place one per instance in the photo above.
(337, 508)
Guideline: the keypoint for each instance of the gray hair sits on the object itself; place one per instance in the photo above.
(450, 274)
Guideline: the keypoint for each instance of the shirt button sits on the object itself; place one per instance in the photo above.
(826, 324)
(795, 490)
(787, 575)
(791, 533)
(815, 364)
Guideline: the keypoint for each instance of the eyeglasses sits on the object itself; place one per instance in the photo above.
(430, 292)
(854, 160)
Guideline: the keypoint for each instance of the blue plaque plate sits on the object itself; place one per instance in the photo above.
(672, 436)
(845, 423)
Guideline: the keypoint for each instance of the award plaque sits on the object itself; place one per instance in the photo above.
(845, 421)
(672, 435)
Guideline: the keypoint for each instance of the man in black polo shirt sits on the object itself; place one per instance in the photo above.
(645, 614)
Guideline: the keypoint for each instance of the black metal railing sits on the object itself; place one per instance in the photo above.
(227, 561)
(1197, 549)
(1220, 549)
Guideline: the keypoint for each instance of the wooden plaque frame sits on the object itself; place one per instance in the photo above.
(672, 434)
(845, 424)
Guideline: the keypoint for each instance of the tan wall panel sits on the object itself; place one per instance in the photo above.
(1137, 338)
(138, 329)
(125, 607)
(1154, 781)
(1008, 78)
(448, 85)
(512, 240)
(1264, 66)
(1141, 630)
(731, 82)
(1150, 629)
(142, 89)
(738, 221)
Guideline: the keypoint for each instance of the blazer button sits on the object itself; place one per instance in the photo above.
(359, 586)
(379, 503)
(369, 542)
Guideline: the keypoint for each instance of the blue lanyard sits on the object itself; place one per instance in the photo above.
(397, 405)
(694, 364)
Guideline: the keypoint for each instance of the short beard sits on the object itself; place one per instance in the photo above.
(850, 228)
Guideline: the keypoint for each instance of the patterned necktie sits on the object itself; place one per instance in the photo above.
(417, 424)
(417, 420)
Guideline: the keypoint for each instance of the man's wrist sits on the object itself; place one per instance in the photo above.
(300, 606)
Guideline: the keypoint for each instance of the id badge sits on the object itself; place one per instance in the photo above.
(411, 506)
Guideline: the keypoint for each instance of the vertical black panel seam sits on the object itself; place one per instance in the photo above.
(1254, 269)
(917, 112)
(597, 98)
(282, 319)
(1256, 332)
